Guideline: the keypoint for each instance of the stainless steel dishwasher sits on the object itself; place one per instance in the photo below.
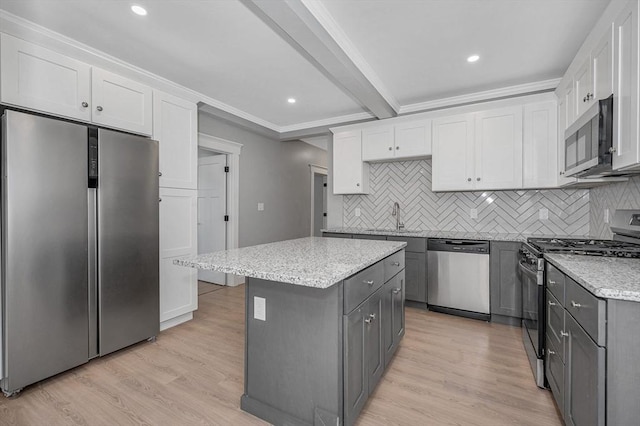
(458, 277)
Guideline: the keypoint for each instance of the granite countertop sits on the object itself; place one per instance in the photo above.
(432, 234)
(311, 262)
(606, 277)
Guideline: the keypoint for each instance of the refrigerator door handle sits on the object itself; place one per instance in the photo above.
(93, 274)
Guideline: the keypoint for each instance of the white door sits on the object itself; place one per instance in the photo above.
(212, 206)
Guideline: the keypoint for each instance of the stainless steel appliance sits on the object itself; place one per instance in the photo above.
(458, 277)
(589, 142)
(625, 243)
(79, 234)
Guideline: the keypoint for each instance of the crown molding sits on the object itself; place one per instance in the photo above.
(322, 15)
(505, 92)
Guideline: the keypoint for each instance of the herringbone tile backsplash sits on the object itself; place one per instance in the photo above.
(624, 195)
(409, 183)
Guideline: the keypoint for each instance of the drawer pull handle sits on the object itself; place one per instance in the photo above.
(552, 303)
(396, 290)
(576, 305)
(370, 282)
(550, 352)
(563, 334)
(395, 263)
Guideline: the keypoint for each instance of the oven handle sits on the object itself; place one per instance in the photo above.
(530, 273)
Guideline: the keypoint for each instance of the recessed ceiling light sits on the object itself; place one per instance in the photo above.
(473, 58)
(138, 10)
(291, 100)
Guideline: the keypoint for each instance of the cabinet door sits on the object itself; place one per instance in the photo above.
(498, 149)
(39, 79)
(416, 276)
(506, 285)
(602, 66)
(377, 143)
(178, 237)
(175, 127)
(556, 325)
(374, 340)
(625, 92)
(584, 378)
(356, 389)
(540, 145)
(413, 139)
(121, 103)
(570, 103)
(393, 315)
(350, 174)
(453, 155)
(583, 86)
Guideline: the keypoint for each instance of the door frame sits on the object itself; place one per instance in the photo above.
(314, 169)
(232, 150)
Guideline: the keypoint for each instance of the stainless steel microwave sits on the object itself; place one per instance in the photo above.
(588, 144)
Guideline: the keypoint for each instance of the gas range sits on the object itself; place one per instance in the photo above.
(585, 247)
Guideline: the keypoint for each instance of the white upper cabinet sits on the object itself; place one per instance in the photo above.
(583, 87)
(602, 66)
(625, 109)
(562, 179)
(121, 103)
(499, 149)
(42, 80)
(570, 106)
(478, 151)
(175, 127)
(453, 155)
(350, 173)
(540, 145)
(399, 141)
(39, 79)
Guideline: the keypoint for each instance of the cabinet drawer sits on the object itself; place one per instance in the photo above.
(554, 369)
(393, 264)
(414, 244)
(555, 282)
(589, 311)
(555, 324)
(362, 285)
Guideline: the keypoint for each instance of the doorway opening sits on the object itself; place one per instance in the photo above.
(318, 199)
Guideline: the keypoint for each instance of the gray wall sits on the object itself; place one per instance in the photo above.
(274, 173)
(624, 195)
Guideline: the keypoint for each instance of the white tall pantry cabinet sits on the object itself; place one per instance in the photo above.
(176, 130)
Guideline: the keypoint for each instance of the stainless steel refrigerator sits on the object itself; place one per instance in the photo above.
(79, 250)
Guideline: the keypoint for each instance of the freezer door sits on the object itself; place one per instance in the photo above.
(128, 242)
(44, 246)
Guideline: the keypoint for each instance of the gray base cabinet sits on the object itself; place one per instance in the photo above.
(504, 278)
(416, 271)
(321, 352)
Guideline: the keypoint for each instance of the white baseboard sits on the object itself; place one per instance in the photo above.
(164, 325)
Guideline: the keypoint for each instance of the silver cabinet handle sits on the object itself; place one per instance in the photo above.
(396, 290)
(576, 305)
(160, 200)
(552, 282)
(159, 173)
(84, 105)
(357, 184)
(551, 303)
(612, 150)
(395, 263)
(468, 179)
(397, 147)
(390, 148)
(370, 282)
(550, 352)
(368, 320)
(563, 334)
(478, 179)
(99, 108)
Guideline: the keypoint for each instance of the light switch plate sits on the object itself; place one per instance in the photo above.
(473, 214)
(543, 214)
(357, 211)
(260, 308)
(260, 207)
(606, 215)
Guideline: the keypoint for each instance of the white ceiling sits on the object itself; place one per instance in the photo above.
(411, 50)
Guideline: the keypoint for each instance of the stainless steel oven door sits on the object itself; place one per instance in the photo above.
(532, 301)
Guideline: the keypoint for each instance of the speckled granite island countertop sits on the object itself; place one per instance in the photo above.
(311, 262)
(606, 277)
(487, 236)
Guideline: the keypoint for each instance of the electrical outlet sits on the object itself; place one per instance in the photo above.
(260, 207)
(473, 214)
(606, 215)
(357, 211)
(260, 308)
(543, 214)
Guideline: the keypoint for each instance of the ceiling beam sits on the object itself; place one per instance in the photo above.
(302, 28)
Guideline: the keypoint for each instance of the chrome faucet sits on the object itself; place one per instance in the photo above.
(396, 213)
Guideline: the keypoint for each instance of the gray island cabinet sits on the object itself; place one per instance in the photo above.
(323, 320)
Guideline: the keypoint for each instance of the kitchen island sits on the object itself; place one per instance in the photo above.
(323, 318)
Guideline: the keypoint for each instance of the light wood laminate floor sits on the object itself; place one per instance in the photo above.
(447, 371)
